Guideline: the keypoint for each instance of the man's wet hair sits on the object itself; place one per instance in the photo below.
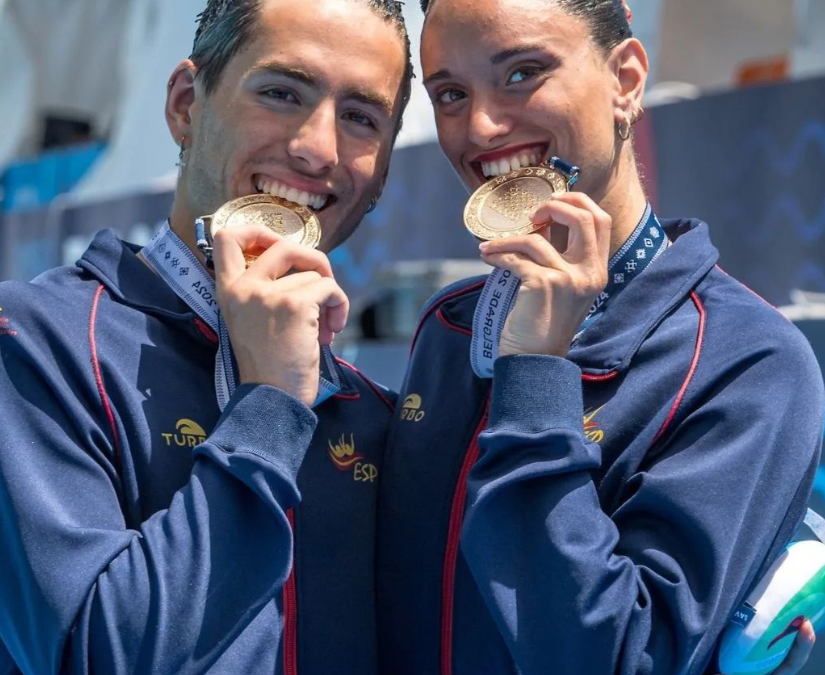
(226, 26)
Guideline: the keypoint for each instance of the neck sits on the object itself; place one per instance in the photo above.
(625, 201)
(182, 222)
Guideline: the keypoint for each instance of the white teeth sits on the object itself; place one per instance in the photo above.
(304, 198)
(318, 202)
(503, 166)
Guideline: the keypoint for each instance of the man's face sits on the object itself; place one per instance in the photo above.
(305, 111)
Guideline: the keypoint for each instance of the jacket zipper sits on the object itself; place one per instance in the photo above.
(451, 554)
(291, 611)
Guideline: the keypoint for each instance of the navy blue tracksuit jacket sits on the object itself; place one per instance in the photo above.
(145, 532)
(603, 513)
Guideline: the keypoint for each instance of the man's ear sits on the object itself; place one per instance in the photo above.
(180, 96)
(630, 67)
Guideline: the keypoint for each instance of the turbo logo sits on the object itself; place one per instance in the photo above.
(188, 434)
(411, 410)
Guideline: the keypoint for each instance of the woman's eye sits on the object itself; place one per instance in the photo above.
(281, 95)
(450, 96)
(523, 74)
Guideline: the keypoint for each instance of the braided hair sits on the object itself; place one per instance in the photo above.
(609, 20)
(225, 26)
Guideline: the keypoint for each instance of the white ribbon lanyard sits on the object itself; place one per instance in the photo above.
(178, 267)
(492, 311)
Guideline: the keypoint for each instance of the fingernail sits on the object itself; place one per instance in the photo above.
(557, 194)
(483, 246)
(533, 215)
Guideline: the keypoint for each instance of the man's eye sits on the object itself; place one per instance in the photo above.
(523, 74)
(360, 118)
(281, 95)
(450, 96)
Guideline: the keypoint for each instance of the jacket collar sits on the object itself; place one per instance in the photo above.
(114, 263)
(612, 341)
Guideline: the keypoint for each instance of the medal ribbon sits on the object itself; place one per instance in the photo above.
(498, 296)
(185, 275)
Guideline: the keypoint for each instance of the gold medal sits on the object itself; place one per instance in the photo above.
(292, 221)
(501, 207)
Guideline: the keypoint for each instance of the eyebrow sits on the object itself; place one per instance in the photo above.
(507, 54)
(362, 96)
(495, 59)
(440, 75)
(286, 71)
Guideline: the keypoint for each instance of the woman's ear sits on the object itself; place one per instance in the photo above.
(629, 65)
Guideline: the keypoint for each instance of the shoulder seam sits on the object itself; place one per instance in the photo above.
(753, 293)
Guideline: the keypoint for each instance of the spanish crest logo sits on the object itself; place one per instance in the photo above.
(5, 327)
(345, 458)
(187, 434)
(592, 432)
(343, 454)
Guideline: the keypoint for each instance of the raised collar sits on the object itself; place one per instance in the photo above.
(115, 264)
(611, 342)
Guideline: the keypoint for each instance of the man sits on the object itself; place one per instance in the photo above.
(146, 530)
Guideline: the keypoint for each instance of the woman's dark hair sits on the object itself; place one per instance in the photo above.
(608, 20)
(225, 26)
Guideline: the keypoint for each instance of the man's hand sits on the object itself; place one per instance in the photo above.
(279, 310)
(557, 288)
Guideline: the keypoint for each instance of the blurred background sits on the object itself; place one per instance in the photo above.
(735, 135)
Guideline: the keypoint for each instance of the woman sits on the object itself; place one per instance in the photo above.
(512, 537)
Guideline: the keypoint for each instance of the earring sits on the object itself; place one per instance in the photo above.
(373, 204)
(181, 163)
(623, 129)
(637, 116)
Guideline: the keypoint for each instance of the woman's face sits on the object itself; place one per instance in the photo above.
(516, 81)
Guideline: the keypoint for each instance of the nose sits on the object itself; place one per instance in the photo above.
(487, 123)
(316, 141)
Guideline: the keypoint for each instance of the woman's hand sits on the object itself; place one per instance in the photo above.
(800, 652)
(557, 288)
